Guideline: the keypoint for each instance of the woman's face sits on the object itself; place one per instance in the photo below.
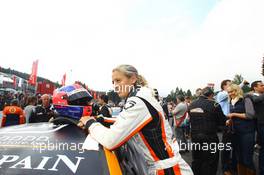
(231, 93)
(122, 84)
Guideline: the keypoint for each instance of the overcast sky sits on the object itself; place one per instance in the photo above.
(185, 43)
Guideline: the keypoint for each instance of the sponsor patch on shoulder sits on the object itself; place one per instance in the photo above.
(129, 104)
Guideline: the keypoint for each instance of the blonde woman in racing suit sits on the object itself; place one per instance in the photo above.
(142, 121)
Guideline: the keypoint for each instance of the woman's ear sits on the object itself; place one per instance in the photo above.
(133, 79)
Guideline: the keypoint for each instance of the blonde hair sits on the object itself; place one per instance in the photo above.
(129, 71)
(238, 91)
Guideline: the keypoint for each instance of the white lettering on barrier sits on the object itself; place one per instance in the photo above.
(27, 138)
(42, 163)
(5, 159)
(67, 162)
(26, 162)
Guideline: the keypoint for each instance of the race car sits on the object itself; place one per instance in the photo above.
(60, 147)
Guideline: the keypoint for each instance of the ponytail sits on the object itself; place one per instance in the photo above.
(141, 81)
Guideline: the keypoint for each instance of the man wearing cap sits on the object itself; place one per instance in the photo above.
(205, 117)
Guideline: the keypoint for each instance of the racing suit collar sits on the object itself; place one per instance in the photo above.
(133, 92)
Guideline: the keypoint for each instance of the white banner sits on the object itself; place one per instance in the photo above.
(1, 79)
(20, 82)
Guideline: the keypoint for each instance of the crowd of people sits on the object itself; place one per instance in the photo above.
(39, 108)
(231, 116)
(238, 116)
(20, 109)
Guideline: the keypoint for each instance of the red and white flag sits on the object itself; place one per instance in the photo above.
(63, 80)
(33, 77)
(95, 95)
(14, 81)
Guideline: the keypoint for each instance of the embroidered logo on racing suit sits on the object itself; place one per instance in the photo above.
(129, 104)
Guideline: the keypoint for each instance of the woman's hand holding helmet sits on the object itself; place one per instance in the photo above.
(84, 120)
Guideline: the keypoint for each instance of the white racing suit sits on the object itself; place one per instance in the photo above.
(142, 121)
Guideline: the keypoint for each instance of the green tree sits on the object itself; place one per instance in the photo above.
(238, 79)
(246, 88)
(178, 91)
(189, 93)
(181, 92)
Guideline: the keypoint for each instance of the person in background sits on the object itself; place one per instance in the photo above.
(222, 96)
(228, 163)
(31, 104)
(165, 109)
(13, 114)
(39, 101)
(188, 100)
(198, 92)
(22, 100)
(243, 129)
(2, 102)
(156, 94)
(170, 106)
(42, 113)
(180, 114)
(258, 99)
(205, 117)
(104, 109)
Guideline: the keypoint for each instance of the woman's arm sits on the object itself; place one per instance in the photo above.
(237, 115)
(250, 111)
(129, 122)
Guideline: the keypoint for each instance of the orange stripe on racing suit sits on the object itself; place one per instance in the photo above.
(176, 168)
(168, 148)
(159, 172)
(132, 134)
(149, 148)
